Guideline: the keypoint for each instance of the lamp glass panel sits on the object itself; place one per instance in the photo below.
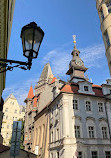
(26, 53)
(28, 39)
(37, 40)
(23, 42)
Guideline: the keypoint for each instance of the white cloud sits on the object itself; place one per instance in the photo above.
(20, 90)
(60, 59)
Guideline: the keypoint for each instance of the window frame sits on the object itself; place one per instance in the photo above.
(80, 156)
(107, 156)
(104, 132)
(99, 107)
(94, 156)
(91, 132)
(86, 88)
(88, 106)
(75, 105)
(77, 131)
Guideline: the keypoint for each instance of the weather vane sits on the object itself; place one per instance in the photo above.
(74, 38)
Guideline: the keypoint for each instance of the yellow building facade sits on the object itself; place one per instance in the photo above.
(6, 17)
(12, 112)
(104, 12)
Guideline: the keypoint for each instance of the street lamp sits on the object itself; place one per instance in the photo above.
(31, 36)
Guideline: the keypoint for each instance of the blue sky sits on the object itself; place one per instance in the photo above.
(59, 19)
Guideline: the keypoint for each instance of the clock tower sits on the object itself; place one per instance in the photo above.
(76, 65)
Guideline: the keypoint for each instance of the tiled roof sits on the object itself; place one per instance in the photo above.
(98, 86)
(53, 80)
(30, 94)
(3, 148)
(35, 102)
(68, 88)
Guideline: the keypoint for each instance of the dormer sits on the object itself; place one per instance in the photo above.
(106, 88)
(85, 87)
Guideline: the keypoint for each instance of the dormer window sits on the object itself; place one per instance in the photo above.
(76, 54)
(86, 88)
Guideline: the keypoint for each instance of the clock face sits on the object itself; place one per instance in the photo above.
(79, 62)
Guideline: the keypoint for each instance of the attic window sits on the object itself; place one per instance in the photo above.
(76, 54)
(86, 88)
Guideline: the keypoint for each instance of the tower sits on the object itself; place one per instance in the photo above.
(76, 65)
(104, 12)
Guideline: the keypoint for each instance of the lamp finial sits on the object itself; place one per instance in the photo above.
(74, 40)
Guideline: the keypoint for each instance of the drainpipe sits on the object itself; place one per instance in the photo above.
(107, 119)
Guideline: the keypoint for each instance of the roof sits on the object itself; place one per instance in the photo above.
(10, 96)
(30, 94)
(53, 80)
(3, 148)
(46, 73)
(68, 88)
(35, 102)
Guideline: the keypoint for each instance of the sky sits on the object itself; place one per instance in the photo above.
(59, 19)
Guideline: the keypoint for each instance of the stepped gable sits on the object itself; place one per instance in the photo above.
(30, 94)
(10, 96)
(46, 73)
(73, 88)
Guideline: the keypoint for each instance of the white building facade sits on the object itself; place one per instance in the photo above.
(80, 116)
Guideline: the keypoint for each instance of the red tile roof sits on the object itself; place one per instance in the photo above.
(98, 86)
(30, 94)
(35, 102)
(53, 80)
(74, 89)
(3, 148)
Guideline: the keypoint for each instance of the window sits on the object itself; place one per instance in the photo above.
(109, 6)
(108, 154)
(104, 132)
(107, 39)
(15, 111)
(88, 106)
(6, 110)
(8, 126)
(51, 155)
(101, 13)
(6, 117)
(51, 136)
(91, 131)
(86, 88)
(56, 109)
(79, 155)
(57, 134)
(75, 104)
(57, 154)
(7, 135)
(100, 106)
(94, 154)
(77, 131)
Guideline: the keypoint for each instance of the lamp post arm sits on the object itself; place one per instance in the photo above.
(6, 64)
(14, 61)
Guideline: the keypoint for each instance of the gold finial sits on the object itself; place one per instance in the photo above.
(74, 38)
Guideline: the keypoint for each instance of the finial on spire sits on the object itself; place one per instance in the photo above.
(74, 38)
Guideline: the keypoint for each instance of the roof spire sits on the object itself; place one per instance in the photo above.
(74, 40)
(30, 94)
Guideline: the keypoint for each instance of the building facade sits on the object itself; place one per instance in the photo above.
(80, 116)
(6, 17)
(12, 112)
(104, 12)
(37, 138)
(73, 119)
